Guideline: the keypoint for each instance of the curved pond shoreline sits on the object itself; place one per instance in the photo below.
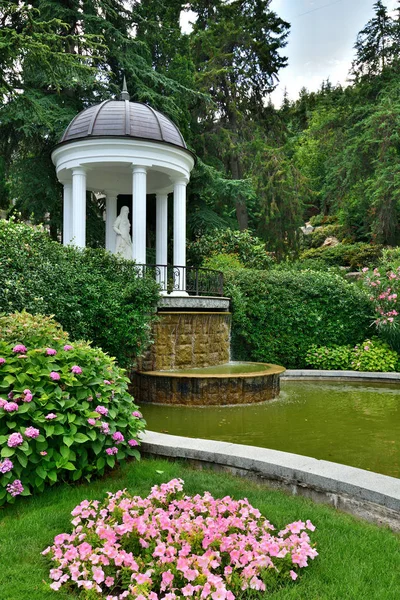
(371, 496)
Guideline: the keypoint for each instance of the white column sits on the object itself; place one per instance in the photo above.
(180, 234)
(67, 213)
(78, 207)
(139, 214)
(111, 215)
(162, 238)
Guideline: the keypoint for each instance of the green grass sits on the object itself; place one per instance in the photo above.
(357, 561)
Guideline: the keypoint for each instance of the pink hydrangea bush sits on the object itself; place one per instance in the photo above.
(51, 427)
(169, 546)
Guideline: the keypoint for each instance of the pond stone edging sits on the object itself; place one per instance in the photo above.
(371, 376)
(371, 496)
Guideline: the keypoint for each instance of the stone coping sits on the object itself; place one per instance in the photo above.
(310, 374)
(194, 303)
(372, 496)
(270, 370)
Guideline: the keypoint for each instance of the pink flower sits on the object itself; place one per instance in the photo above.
(32, 432)
(77, 370)
(309, 525)
(98, 574)
(51, 352)
(10, 407)
(118, 437)
(68, 347)
(2, 360)
(54, 376)
(6, 465)
(137, 414)
(293, 575)
(366, 348)
(43, 453)
(15, 439)
(133, 443)
(104, 427)
(102, 410)
(111, 451)
(20, 348)
(27, 391)
(91, 421)
(107, 382)
(109, 581)
(15, 488)
(28, 396)
(51, 416)
(2, 402)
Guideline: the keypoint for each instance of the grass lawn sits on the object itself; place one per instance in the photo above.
(357, 561)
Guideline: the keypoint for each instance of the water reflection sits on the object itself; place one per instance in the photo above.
(352, 424)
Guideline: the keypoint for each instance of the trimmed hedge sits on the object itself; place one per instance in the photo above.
(278, 315)
(354, 256)
(92, 294)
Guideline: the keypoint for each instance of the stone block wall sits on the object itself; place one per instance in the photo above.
(184, 340)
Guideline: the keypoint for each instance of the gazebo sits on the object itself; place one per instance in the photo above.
(122, 147)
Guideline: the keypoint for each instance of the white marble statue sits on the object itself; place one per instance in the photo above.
(122, 227)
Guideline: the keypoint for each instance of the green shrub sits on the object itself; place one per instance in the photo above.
(62, 404)
(250, 250)
(278, 315)
(354, 256)
(93, 294)
(321, 219)
(223, 262)
(374, 355)
(319, 235)
(330, 358)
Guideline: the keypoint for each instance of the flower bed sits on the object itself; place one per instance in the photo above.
(169, 546)
(65, 410)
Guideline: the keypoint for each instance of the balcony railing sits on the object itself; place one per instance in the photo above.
(195, 281)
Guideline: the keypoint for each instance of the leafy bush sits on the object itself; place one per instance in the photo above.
(173, 546)
(223, 262)
(65, 410)
(321, 219)
(374, 355)
(93, 294)
(316, 238)
(384, 290)
(330, 358)
(278, 315)
(250, 250)
(371, 355)
(354, 256)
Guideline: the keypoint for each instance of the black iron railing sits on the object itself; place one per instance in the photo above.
(195, 281)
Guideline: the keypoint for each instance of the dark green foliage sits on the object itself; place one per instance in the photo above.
(354, 256)
(249, 250)
(316, 238)
(278, 315)
(93, 294)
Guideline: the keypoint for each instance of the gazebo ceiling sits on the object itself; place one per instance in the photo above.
(122, 118)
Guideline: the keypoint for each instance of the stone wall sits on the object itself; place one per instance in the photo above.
(184, 340)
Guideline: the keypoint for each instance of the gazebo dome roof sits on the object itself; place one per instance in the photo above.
(122, 118)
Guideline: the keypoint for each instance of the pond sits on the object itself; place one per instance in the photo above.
(350, 423)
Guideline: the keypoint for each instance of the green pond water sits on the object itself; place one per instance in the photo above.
(231, 368)
(353, 424)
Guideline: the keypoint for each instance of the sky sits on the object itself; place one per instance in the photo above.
(320, 43)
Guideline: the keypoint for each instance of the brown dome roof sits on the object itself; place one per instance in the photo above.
(122, 118)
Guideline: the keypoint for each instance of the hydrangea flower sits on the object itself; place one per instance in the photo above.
(112, 450)
(15, 488)
(10, 407)
(137, 414)
(118, 437)
(91, 421)
(20, 349)
(102, 410)
(2, 402)
(15, 439)
(6, 465)
(51, 352)
(76, 369)
(133, 443)
(104, 427)
(68, 347)
(51, 416)
(28, 397)
(107, 382)
(55, 376)
(2, 360)
(32, 432)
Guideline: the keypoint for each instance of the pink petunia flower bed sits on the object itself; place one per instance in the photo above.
(169, 546)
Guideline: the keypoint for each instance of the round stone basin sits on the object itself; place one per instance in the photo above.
(227, 384)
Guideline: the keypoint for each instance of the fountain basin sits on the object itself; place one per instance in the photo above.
(226, 384)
